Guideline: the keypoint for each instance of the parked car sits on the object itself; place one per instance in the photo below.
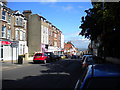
(89, 60)
(67, 56)
(83, 57)
(51, 56)
(62, 56)
(40, 57)
(73, 57)
(100, 76)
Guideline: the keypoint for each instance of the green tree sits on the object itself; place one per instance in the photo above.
(102, 24)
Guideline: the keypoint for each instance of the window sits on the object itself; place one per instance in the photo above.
(43, 30)
(43, 39)
(16, 34)
(21, 21)
(38, 54)
(3, 31)
(17, 21)
(59, 38)
(24, 24)
(21, 35)
(3, 15)
(55, 44)
(9, 34)
(55, 35)
(51, 33)
(24, 36)
(9, 18)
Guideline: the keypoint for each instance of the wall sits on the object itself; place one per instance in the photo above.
(34, 34)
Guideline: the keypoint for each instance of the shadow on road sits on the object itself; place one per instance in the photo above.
(59, 74)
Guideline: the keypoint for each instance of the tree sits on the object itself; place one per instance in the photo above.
(102, 24)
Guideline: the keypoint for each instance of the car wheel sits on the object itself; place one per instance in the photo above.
(44, 61)
(34, 62)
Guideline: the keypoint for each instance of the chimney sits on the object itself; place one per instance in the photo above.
(27, 13)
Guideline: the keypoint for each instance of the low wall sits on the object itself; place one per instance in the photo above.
(30, 58)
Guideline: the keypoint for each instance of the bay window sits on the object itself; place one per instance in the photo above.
(9, 18)
(16, 35)
(3, 32)
(8, 34)
(4, 15)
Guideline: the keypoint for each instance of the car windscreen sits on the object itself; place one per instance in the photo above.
(102, 82)
(38, 54)
(89, 59)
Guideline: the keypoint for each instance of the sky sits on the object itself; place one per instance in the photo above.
(66, 16)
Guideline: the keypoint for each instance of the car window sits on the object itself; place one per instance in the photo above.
(89, 59)
(45, 54)
(38, 54)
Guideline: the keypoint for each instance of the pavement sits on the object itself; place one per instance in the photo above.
(7, 65)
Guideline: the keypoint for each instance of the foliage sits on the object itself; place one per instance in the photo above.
(102, 24)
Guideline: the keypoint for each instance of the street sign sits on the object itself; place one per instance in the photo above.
(14, 44)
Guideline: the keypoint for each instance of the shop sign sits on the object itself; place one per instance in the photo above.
(6, 42)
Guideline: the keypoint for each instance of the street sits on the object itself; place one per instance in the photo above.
(58, 74)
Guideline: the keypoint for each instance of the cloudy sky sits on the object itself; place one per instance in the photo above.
(64, 15)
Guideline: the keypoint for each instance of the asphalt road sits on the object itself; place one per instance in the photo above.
(58, 74)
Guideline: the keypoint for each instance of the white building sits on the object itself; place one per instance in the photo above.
(12, 33)
(21, 32)
(62, 41)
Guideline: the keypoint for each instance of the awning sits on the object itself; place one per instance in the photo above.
(5, 42)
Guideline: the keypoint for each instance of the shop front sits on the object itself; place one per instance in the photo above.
(5, 50)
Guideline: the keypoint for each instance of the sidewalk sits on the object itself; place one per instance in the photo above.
(7, 65)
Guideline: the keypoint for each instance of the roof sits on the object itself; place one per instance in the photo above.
(67, 46)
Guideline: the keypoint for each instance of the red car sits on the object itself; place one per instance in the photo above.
(40, 57)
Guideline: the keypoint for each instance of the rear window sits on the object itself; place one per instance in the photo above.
(38, 54)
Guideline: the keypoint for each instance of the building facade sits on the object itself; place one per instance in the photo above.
(42, 35)
(10, 36)
(70, 49)
(20, 32)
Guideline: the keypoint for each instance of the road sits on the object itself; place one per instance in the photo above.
(58, 74)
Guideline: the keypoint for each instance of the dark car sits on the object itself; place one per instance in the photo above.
(100, 76)
(83, 57)
(51, 56)
(73, 57)
(89, 60)
(40, 57)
